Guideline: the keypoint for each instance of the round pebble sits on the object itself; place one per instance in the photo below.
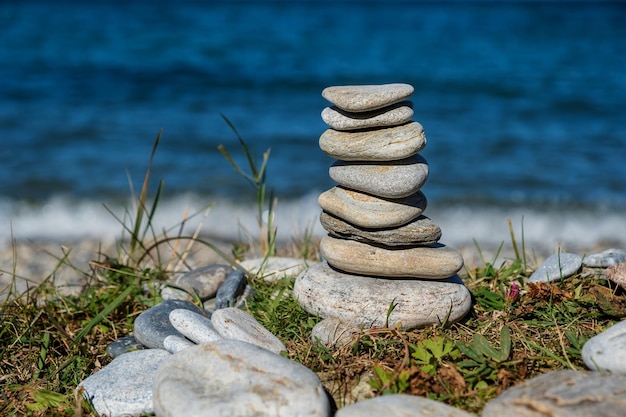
(428, 262)
(364, 301)
(124, 387)
(234, 378)
(393, 115)
(384, 144)
(274, 268)
(421, 231)
(174, 344)
(358, 98)
(607, 350)
(558, 266)
(395, 179)
(232, 323)
(334, 333)
(365, 210)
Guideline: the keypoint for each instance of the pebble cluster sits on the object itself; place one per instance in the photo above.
(380, 250)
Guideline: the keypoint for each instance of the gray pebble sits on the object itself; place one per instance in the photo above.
(174, 344)
(234, 378)
(605, 258)
(274, 268)
(230, 290)
(232, 323)
(395, 179)
(563, 393)
(607, 350)
(123, 345)
(400, 405)
(203, 281)
(558, 266)
(194, 326)
(364, 301)
(153, 325)
(124, 387)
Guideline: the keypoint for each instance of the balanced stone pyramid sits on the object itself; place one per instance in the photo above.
(383, 264)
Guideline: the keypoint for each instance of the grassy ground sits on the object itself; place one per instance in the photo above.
(515, 331)
(50, 342)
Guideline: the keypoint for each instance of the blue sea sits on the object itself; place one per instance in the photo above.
(523, 104)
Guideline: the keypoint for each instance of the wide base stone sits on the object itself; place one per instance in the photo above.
(365, 301)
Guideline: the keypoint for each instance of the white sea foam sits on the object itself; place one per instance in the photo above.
(63, 220)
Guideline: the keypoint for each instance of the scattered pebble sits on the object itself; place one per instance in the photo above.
(607, 350)
(203, 282)
(274, 268)
(334, 333)
(124, 387)
(231, 290)
(234, 378)
(153, 325)
(386, 179)
(123, 345)
(605, 258)
(174, 344)
(401, 405)
(558, 266)
(617, 274)
(563, 393)
(365, 301)
(232, 323)
(195, 327)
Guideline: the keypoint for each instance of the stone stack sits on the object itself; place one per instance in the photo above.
(383, 263)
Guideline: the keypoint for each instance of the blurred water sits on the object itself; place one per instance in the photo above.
(522, 102)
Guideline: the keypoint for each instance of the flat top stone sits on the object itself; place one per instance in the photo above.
(605, 258)
(382, 144)
(358, 98)
(606, 351)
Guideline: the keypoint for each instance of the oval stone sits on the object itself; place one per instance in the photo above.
(124, 387)
(194, 326)
(153, 325)
(365, 210)
(334, 333)
(234, 378)
(388, 179)
(606, 351)
(563, 393)
(427, 262)
(358, 98)
(394, 115)
(232, 323)
(384, 144)
(400, 405)
(421, 231)
(364, 301)
(558, 266)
